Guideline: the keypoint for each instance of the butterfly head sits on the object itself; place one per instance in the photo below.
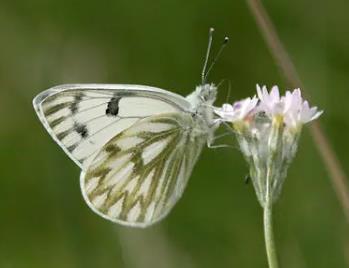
(201, 101)
(206, 93)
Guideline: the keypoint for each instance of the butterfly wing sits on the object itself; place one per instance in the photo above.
(81, 118)
(139, 175)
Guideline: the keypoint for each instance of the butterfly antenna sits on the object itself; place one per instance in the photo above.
(229, 91)
(225, 42)
(229, 88)
(210, 37)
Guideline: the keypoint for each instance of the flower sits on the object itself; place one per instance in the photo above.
(294, 110)
(267, 129)
(298, 111)
(270, 103)
(238, 111)
(308, 114)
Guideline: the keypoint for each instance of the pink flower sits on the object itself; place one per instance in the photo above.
(238, 111)
(292, 107)
(298, 111)
(270, 103)
(308, 114)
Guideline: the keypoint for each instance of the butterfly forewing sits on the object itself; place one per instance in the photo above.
(82, 118)
(138, 176)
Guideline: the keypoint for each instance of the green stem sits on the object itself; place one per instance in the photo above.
(274, 142)
(268, 232)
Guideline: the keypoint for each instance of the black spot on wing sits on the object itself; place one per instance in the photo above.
(113, 107)
(75, 104)
(81, 129)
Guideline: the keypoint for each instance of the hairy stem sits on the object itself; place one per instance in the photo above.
(269, 236)
(268, 224)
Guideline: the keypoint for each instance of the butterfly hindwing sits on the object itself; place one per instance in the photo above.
(83, 117)
(138, 176)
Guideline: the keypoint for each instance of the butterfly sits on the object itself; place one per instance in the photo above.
(136, 145)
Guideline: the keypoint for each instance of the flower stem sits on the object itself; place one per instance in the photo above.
(268, 234)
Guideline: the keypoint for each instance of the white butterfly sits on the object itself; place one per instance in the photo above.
(136, 145)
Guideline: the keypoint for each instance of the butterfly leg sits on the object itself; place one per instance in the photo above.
(211, 146)
(220, 146)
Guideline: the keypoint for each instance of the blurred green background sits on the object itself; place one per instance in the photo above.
(44, 221)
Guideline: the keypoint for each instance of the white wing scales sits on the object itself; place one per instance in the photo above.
(136, 145)
(82, 118)
(139, 185)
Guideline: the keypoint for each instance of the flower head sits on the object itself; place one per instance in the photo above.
(238, 111)
(269, 133)
(298, 111)
(294, 110)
